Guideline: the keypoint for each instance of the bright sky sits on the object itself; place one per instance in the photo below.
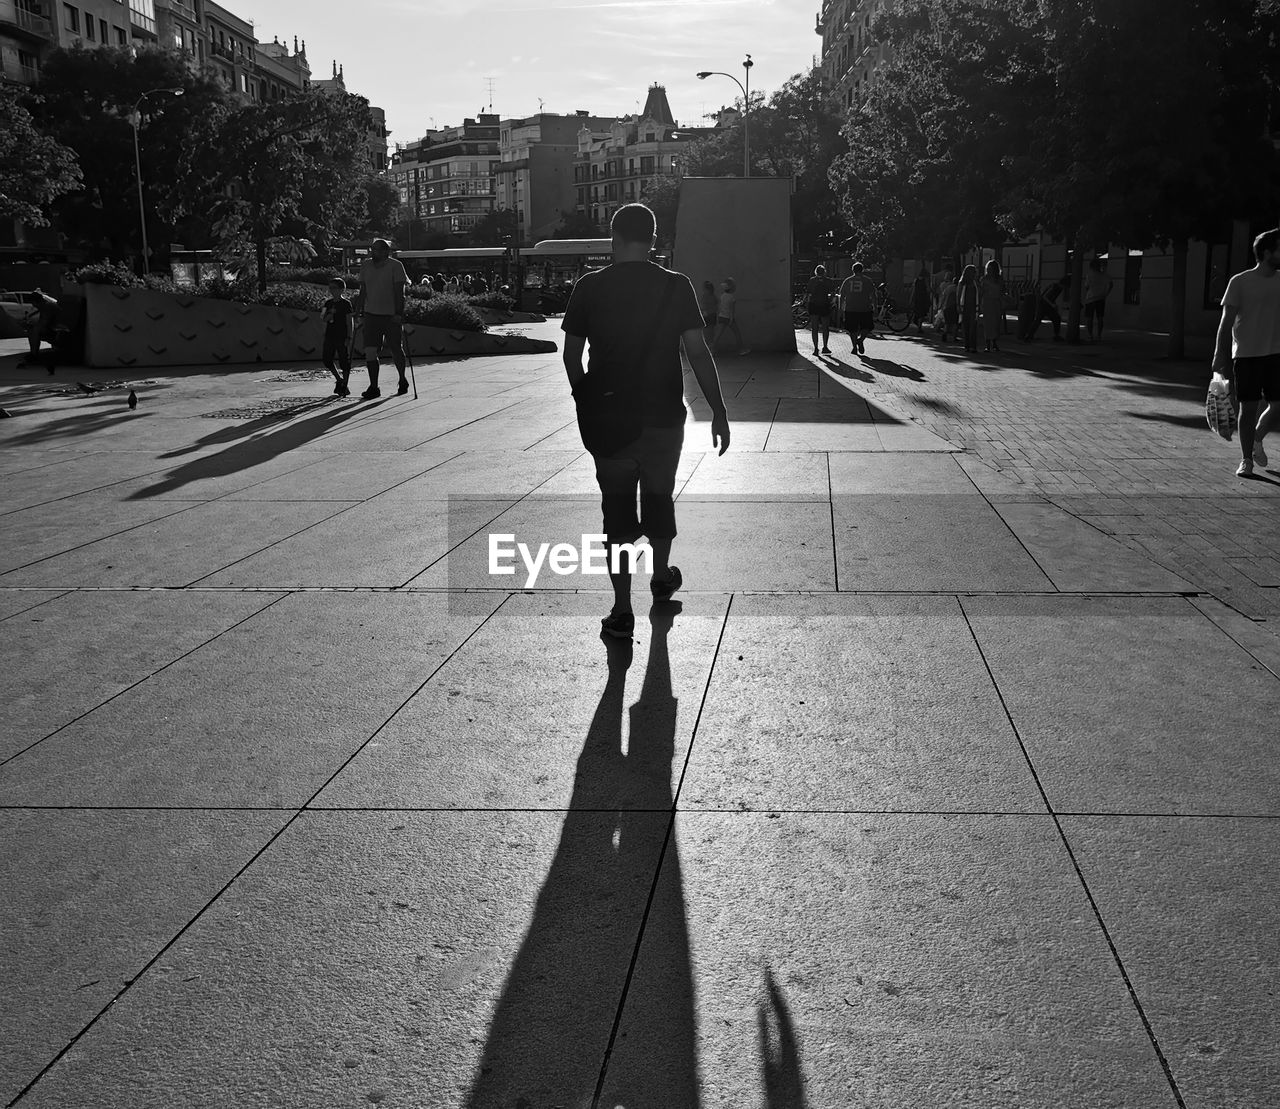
(430, 60)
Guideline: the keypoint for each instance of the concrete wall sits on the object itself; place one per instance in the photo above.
(741, 228)
(138, 327)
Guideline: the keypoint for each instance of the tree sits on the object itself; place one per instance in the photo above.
(381, 204)
(34, 169)
(662, 195)
(290, 167)
(576, 225)
(86, 100)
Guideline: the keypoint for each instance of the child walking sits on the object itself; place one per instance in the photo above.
(338, 327)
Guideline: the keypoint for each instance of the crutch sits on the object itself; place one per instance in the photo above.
(404, 342)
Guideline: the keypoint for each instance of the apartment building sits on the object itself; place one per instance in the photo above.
(850, 54)
(27, 34)
(534, 176)
(614, 163)
(447, 177)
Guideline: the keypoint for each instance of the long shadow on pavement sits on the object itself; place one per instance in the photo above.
(250, 446)
(552, 1008)
(779, 1049)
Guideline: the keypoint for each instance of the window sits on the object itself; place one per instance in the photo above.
(646, 165)
(88, 28)
(102, 31)
(122, 36)
(71, 18)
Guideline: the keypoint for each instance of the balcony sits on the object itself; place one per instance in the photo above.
(15, 16)
(220, 51)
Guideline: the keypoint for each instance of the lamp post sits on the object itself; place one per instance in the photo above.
(135, 118)
(746, 107)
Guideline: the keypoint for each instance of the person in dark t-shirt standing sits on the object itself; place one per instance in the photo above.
(628, 310)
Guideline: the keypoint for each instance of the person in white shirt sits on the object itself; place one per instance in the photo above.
(1251, 326)
(381, 301)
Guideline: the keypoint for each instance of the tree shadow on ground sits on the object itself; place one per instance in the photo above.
(570, 985)
(250, 445)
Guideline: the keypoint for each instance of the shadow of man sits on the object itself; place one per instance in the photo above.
(556, 1025)
(779, 1050)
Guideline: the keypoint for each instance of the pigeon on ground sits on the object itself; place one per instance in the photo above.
(133, 399)
(86, 388)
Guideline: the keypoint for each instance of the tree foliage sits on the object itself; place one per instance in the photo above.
(34, 169)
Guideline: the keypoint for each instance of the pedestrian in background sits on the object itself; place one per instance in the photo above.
(41, 325)
(857, 306)
(820, 289)
(727, 315)
(921, 301)
(381, 302)
(338, 329)
(1250, 329)
(991, 304)
(708, 302)
(949, 305)
(967, 302)
(1097, 286)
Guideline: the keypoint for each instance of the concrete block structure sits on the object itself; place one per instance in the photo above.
(741, 228)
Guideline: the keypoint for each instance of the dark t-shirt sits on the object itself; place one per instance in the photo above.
(820, 290)
(336, 311)
(616, 310)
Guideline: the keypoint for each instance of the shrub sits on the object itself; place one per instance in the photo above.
(419, 292)
(495, 300)
(443, 310)
(106, 273)
(159, 283)
(294, 294)
(243, 288)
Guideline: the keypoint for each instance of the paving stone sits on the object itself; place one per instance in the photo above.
(848, 695)
(900, 962)
(87, 899)
(14, 601)
(1191, 907)
(261, 716)
(1089, 682)
(342, 970)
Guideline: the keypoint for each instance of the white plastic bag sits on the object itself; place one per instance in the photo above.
(1219, 410)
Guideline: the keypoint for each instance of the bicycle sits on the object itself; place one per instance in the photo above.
(891, 314)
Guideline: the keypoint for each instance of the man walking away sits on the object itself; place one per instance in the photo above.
(857, 307)
(820, 289)
(1251, 317)
(381, 300)
(1097, 286)
(631, 310)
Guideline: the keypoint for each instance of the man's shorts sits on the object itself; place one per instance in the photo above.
(860, 321)
(649, 464)
(380, 331)
(1258, 377)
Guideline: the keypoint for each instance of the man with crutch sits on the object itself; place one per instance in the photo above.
(381, 301)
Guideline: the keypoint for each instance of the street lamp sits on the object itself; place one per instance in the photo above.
(135, 118)
(746, 107)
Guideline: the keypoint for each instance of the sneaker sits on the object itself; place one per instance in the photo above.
(662, 589)
(620, 625)
(826, 350)
(371, 392)
(403, 388)
(1259, 455)
(1245, 469)
(337, 389)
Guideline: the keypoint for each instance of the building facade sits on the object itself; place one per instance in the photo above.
(850, 54)
(535, 173)
(27, 34)
(614, 163)
(447, 178)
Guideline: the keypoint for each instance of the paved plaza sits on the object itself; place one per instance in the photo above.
(948, 783)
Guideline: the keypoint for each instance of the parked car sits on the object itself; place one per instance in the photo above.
(21, 307)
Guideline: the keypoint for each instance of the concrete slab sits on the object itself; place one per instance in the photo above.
(1089, 683)
(351, 476)
(1081, 559)
(479, 473)
(1207, 891)
(73, 475)
(930, 543)
(44, 530)
(899, 473)
(1260, 640)
(910, 437)
(536, 712)
(848, 694)
(758, 476)
(991, 481)
(378, 544)
(66, 657)
(311, 679)
(398, 958)
(778, 383)
(729, 545)
(177, 551)
(87, 899)
(903, 962)
(830, 435)
(209, 473)
(14, 601)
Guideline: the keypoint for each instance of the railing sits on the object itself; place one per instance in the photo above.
(15, 16)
